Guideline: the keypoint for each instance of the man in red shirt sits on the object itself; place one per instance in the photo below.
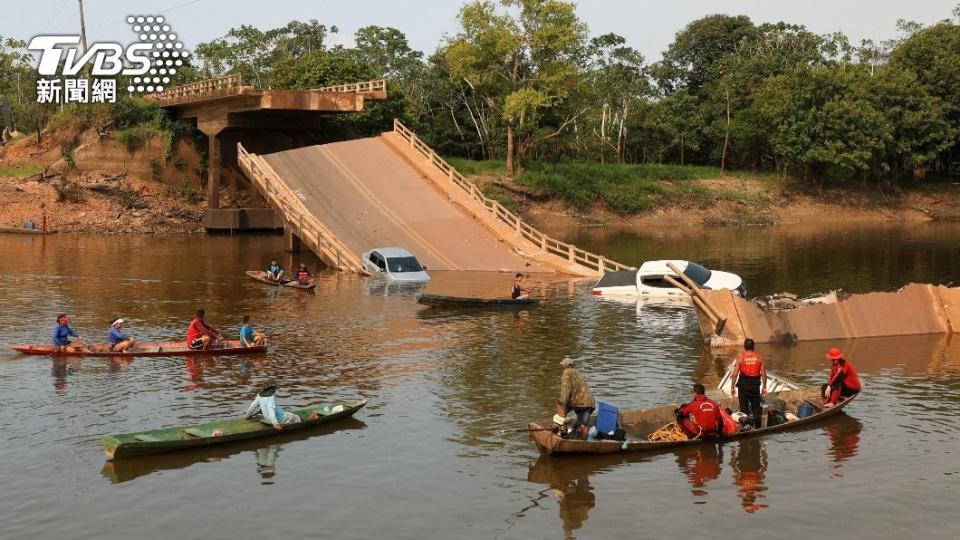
(750, 379)
(701, 417)
(844, 380)
(200, 334)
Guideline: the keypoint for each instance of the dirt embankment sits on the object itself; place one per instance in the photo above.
(101, 185)
(746, 202)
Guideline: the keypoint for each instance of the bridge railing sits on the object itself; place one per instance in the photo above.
(296, 216)
(199, 89)
(523, 229)
(379, 85)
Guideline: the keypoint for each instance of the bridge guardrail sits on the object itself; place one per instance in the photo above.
(379, 85)
(295, 214)
(196, 90)
(525, 230)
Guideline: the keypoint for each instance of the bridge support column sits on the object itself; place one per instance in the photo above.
(291, 241)
(211, 122)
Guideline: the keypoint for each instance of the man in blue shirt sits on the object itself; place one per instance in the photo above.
(119, 342)
(274, 271)
(248, 336)
(62, 334)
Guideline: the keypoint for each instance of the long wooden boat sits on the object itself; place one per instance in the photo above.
(175, 438)
(640, 423)
(173, 348)
(440, 300)
(261, 276)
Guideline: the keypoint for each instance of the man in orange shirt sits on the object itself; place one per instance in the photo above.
(200, 334)
(750, 377)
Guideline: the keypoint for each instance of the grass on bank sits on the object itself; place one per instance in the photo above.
(15, 172)
(623, 188)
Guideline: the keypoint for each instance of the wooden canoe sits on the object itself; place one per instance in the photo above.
(173, 348)
(261, 276)
(175, 438)
(439, 300)
(640, 423)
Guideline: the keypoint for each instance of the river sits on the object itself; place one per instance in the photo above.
(426, 459)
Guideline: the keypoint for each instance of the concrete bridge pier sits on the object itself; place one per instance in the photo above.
(291, 241)
(212, 125)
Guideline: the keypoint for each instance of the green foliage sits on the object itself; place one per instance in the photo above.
(68, 158)
(188, 192)
(503, 196)
(472, 167)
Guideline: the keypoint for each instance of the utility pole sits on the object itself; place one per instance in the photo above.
(83, 30)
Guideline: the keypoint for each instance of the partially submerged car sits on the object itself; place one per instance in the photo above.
(649, 280)
(395, 263)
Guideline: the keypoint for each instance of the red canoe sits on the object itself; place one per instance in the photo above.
(173, 348)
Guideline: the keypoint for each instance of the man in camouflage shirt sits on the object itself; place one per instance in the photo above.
(576, 395)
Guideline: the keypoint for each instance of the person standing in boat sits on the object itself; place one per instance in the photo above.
(248, 336)
(844, 380)
(700, 419)
(266, 405)
(519, 292)
(274, 271)
(119, 342)
(303, 275)
(575, 395)
(62, 334)
(750, 380)
(199, 334)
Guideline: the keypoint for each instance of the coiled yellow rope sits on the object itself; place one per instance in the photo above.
(669, 432)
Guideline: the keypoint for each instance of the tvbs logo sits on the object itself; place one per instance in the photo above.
(151, 61)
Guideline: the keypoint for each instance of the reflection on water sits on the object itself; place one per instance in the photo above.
(748, 461)
(700, 464)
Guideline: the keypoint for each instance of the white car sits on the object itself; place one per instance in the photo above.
(396, 264)
(649, 282)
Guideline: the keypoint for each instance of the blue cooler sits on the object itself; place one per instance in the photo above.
(804, 410)
(607, 416)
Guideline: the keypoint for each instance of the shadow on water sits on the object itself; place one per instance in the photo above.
(569, 477)
(266, 450)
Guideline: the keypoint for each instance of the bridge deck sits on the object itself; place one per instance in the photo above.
(369, 196)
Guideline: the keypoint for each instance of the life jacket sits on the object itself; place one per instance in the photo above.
(730, 426)
(303, 275)
(751, 363)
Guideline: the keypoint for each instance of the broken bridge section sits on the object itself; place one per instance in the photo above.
(914, 310)
(345, 198)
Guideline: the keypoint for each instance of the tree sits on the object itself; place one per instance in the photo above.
(618, 83)
(520, 63)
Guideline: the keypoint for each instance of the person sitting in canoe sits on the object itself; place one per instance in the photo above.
(200, 334)
(274, 271)
(119, 342)
(62, 334)
(303, 275)
(519, 292)
(575, 395)
(844, 380)
(266, 405)
(701, 418)
(248, 336)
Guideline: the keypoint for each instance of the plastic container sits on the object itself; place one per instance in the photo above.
(804, 410)
(764, 415)
(607, 418)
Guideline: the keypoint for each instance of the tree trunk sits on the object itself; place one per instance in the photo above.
(726, 136)
(510, 150)
(681, 149)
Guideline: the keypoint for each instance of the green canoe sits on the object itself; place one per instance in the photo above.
(175, 438)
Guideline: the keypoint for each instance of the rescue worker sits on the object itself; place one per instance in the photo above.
(844, 380)
(700, 419)
(750, 380)
(575, 395)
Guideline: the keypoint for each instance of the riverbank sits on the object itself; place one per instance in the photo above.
(635, 197)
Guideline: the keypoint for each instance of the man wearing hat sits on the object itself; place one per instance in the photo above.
(119, 342)
(575, 395)
(844, 380)
(266, 404)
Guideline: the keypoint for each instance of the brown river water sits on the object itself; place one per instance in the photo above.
(426, 459)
